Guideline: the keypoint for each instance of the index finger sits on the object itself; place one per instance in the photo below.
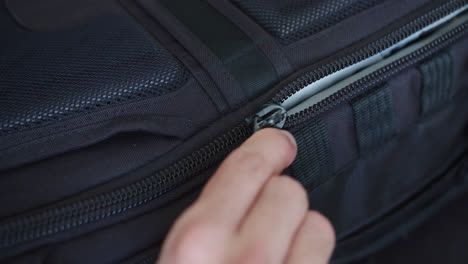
(235, 185)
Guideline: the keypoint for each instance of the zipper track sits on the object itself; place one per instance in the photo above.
(377, 77)
(20, 230)
(368, 51)
(23, 229)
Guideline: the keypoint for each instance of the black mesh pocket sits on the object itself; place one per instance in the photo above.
(292, 20)
(55, 75)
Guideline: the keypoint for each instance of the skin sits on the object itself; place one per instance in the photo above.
(250, 213)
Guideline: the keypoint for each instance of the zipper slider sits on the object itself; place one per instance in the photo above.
(270, 116)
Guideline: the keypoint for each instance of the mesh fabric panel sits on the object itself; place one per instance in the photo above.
(292, 20)
(54, 75)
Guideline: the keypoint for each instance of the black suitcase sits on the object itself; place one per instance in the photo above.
(114, 114)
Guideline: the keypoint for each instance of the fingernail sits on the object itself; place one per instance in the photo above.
(290, 137)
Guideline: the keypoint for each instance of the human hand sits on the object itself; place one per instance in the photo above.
(248, 213)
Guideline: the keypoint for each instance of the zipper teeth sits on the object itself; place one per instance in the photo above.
(368, 51)
(377, 77)
(22, 229)
(19, 230)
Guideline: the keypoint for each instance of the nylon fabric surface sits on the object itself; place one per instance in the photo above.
(414, 127)
(446, 232)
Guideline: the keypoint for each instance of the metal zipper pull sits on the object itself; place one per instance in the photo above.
(270, 116)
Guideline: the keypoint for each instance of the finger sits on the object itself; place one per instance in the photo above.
(230, 192)
(274, 218)
(314, 242)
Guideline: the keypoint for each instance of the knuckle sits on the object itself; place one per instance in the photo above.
(293, 191)
(189, 242)
(247, 160)
(253, 255)
(324, 228)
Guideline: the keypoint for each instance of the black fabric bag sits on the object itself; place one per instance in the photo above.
(114, 114)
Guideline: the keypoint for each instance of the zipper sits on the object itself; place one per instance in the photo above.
(26, 228)
(396, 41)
(23, 229)
(271, 115)
(451, 7)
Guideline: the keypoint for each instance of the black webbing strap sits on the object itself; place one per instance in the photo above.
(438, 82)
(246, 62)
(374, 119)
(314, 164)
